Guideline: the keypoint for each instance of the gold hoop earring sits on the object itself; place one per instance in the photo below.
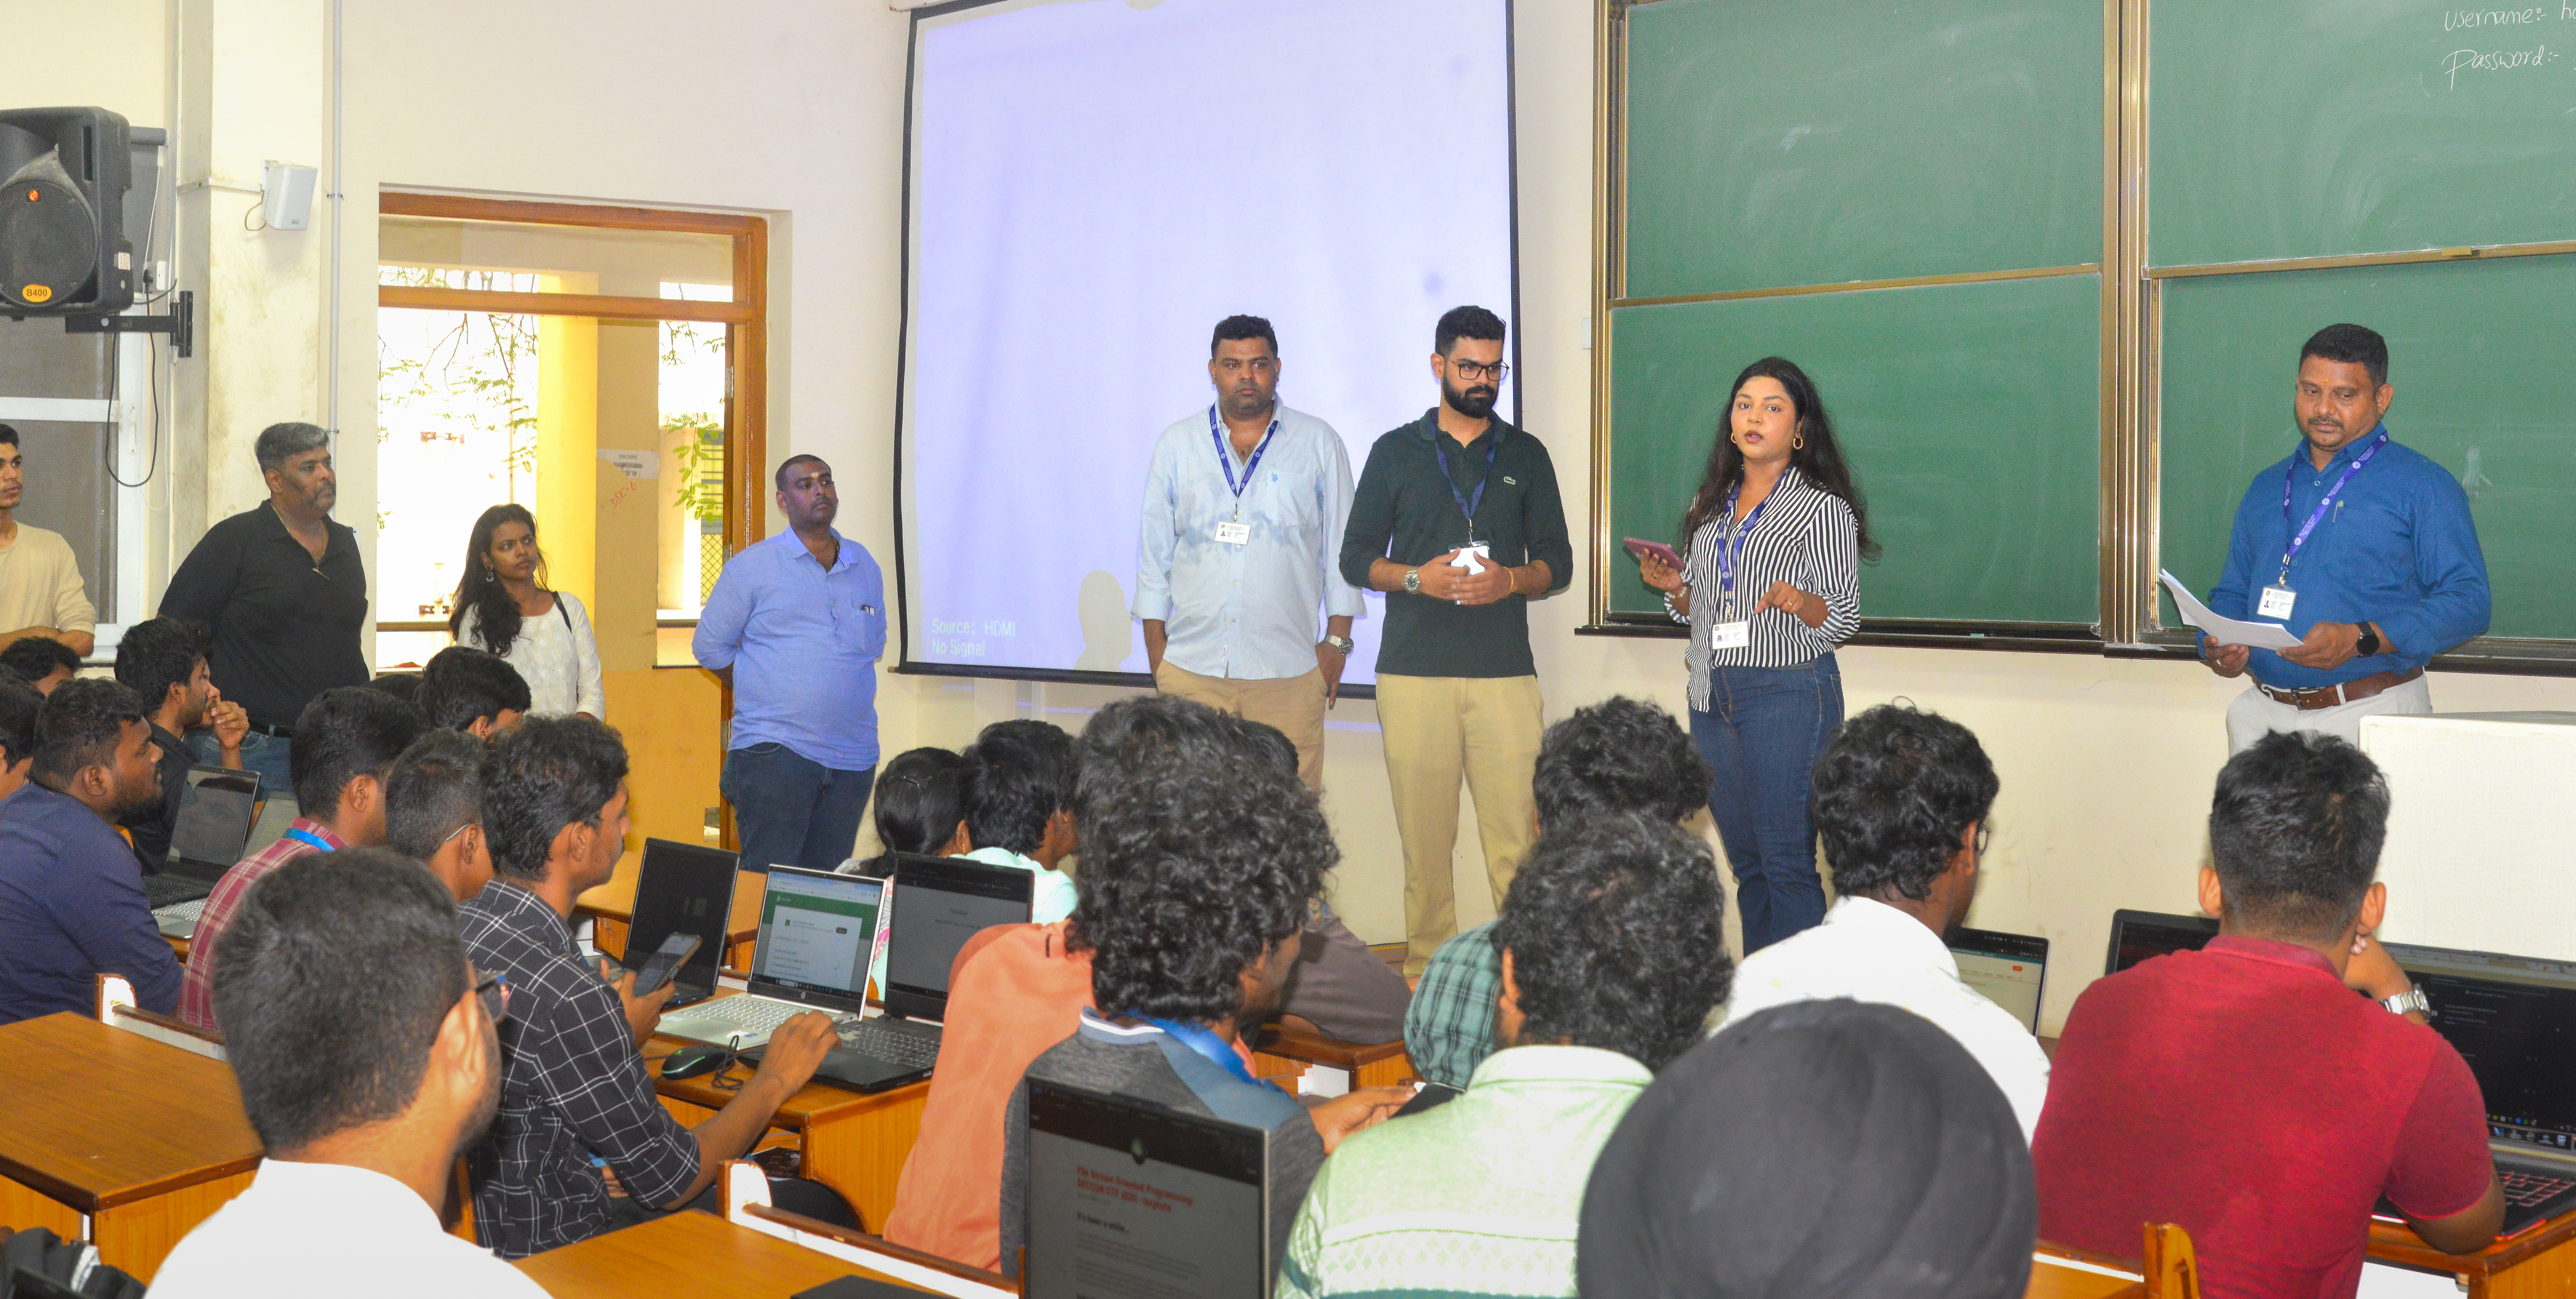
(1797, 443)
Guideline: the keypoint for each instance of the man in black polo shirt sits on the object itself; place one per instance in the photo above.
(282, 587)
(1456, 690)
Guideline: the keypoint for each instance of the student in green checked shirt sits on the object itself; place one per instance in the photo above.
(1611, 962)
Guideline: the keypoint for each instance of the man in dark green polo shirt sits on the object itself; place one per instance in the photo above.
(1457, 693)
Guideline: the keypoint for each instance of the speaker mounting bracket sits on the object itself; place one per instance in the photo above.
(180, 324)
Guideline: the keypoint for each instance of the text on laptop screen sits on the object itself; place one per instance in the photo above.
(931, 925)
(817, 932)
(2514, 1020)
(1133, 1199)
(2011, 982)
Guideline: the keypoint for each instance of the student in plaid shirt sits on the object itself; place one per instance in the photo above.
(573, 1084)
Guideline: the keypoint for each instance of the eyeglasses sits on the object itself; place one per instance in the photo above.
(495, 993)
(1471, 371)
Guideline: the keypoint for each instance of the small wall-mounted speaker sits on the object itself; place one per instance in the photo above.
(286, 196)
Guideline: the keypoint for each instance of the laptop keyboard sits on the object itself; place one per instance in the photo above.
(190, 910)
(744, 1014)
(870, 1038)
(2531, 1190)
(163, 890)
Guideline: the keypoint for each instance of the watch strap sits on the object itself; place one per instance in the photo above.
(2368, 643)
(2413, 999)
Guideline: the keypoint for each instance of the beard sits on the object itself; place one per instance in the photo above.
(137, 801)
(1474, 403)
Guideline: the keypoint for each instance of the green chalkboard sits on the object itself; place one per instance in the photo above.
(1970, 412)
(1773, 143)
(2313, 128)
(2479, 355)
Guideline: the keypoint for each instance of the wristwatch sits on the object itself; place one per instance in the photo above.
(1341, 644)
(2413, 999)
(1413, 581)
(2368, 644)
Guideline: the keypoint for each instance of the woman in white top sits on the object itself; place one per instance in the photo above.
(544, 634)
(1770, 585)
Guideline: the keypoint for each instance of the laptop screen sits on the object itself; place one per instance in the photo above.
(939, 903)
(2008, 968)
(215, 814)
(2513, 1019)
(682, 889)
(2138, 935)
(1127, 1198)
(817, 931)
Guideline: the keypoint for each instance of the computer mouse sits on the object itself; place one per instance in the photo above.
(691, 1061)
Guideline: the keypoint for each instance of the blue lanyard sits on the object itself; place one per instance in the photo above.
(1739, 534)
(1197, 1038)
(2324, 503)
(1225, 461)
(1466, 504)
(307, 836)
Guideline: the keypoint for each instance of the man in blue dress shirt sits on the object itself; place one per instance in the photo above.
(2359, 546)
(1244, 510)
(796, 625)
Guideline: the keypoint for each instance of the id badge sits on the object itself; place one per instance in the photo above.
(1730, 635)
(2276, 602)
(1234, 534)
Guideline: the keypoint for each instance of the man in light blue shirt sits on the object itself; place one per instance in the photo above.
(1243, 518)
(795, 626)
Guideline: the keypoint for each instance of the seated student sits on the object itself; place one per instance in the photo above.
(471, 690)
(404, 686)
(573, 1080)
(2242, 1090)
(1019, 807)
(1619, 755)
(163, 661)
(346, 741)
(1823, 1148)
(434, 810)
(1198, 879)
(19, 704)
(1338, 986)
(1901, 798)
(920, 807)
(365, 1047)
(71, 896)
(1612, 961)
(44, 662)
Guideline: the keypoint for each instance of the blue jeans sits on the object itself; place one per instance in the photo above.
(1761, 733)
(265, 754)
(792, 811)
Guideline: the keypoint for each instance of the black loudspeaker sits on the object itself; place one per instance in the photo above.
(63, 250)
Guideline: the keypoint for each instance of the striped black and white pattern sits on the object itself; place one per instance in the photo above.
(1806, 538)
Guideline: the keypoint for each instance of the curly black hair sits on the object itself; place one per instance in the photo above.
(157, 654)
(1894, 790)
(1200, 853)
(38, 657)
(1018, 774)
(1612, 928)
(2295, 831)
(19, 705)
(1619, 755)
(542, 775)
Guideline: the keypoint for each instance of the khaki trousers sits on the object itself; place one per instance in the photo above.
(1435, 728)
(1293, 704)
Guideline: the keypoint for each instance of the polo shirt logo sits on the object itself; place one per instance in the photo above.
(1511, 481)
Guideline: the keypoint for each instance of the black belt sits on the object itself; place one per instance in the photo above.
(280, 732)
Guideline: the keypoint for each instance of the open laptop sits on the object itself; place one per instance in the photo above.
(933, 905)
(2010, 969)
(2513, 1019)
(2138, 935)
(682, 888)
(816, 932)
(216, 810)
(277, 810)
(1130, 1198)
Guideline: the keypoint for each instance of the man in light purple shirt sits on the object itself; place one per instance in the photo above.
(796, 625)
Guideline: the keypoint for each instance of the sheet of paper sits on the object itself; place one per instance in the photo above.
(2226, 631)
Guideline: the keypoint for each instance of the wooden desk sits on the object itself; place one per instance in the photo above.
(2052, 1278)
(612, 905)
(1282, 1052)
(143, 1139)
(2541, 1261)
(853, 1143)
(695, 1254)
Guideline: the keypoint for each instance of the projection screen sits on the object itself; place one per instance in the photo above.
(1091, 186)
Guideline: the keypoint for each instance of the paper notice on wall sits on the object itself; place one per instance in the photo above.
(634, 464)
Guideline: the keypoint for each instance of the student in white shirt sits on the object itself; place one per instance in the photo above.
(1901, 803)
(368, 1056)
(1019, 807)
(40, 581)
(544, 634)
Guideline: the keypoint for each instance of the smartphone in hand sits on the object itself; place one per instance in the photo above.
(1640, 547)
(666, 961)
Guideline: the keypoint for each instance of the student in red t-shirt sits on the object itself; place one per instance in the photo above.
(2265, 1091)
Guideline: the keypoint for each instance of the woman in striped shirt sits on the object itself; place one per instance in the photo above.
(1769, 584)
